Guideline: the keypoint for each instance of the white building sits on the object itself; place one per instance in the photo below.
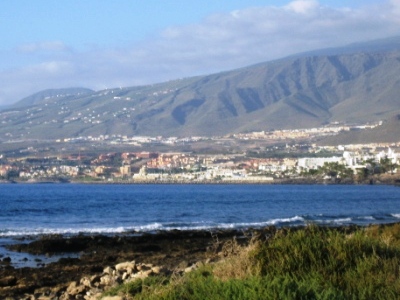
(316, 162)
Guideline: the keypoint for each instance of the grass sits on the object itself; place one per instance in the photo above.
(308, 263)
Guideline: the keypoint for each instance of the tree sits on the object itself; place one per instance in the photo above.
(386, 165)
(334, 169)
(363, 174)
(12, 174)
(372, 166)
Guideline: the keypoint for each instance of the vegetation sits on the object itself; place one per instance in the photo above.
(307, 263)
(281, 153)
(331, 169)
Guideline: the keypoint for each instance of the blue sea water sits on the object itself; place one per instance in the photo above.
(30, 210)
(34, 209)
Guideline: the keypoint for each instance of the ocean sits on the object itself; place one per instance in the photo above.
(28, 211)
(35, 209)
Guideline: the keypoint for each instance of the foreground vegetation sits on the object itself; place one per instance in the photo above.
(307, 263)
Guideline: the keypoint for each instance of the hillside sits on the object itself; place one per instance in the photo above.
(387, 133)
(296, 92)
(42, 96)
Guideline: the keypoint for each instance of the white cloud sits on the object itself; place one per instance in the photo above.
(302, 6)
(395, 8)
(219, 42)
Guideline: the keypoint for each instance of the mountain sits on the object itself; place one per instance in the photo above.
(355, 84)
(388, 132)
(40, 97)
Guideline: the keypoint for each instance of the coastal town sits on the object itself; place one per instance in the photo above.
(274, 162)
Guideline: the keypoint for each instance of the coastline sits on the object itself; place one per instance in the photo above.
(382, 179)
(89, 256)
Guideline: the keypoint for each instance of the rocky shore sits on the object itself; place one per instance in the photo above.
(93, 264)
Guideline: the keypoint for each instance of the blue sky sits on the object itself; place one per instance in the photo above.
(102, 44)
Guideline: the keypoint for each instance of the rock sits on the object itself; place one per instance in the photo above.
(45, 298)
(93, 296)
(124, 266)
(200, 264)
(108, 270)
(7, 259)
(106, 280)
(8, 281)
(86, 281)
(95, 279)
(142, 274)
(57, 289)
(75, 289)
(42, 291)
(65, 296)
(144, 267)
(183, 265)
(190, 269)
(112, 298)
(125, 276)
(156, 270)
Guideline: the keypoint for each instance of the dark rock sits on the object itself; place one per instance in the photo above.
(165, 249)
(8, 281)
(96, 269)
(7, 259)
(68, 261)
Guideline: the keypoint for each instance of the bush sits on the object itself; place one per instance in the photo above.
(308, 263)
(357, 264)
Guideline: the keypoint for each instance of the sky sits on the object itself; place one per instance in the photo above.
(101, 44)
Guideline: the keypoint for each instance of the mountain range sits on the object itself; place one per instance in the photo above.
(359, 83)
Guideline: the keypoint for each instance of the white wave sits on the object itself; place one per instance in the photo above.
(286, 220)
(149, 227)
(397, 216)
(371, 218)
(62, 231)
(344, 220)
(336, 221)
(202, 225)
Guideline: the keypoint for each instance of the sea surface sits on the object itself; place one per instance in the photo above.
(29, 210)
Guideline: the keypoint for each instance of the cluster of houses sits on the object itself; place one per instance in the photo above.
(184, 167)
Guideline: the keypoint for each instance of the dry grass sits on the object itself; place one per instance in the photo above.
(308, 263)
(239, 261)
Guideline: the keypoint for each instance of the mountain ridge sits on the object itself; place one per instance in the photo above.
(295, 92)
(40, 96)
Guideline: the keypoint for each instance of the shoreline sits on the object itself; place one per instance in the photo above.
(378, 180)
(89, 255)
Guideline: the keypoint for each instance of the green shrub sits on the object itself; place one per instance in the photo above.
(308, 263)
(360, 266)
